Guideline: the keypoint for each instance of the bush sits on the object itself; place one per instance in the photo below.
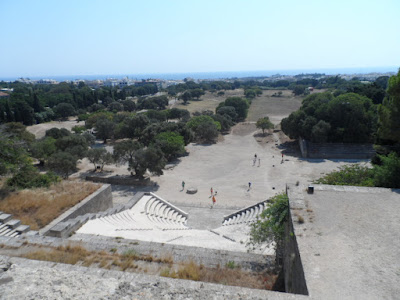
(356, 175)
(388, 173)
(271, 225)
(29, 177)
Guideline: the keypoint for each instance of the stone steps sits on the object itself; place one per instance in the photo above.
(246, 215)
(11, 227)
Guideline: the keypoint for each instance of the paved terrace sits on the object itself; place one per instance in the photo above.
(349, 243)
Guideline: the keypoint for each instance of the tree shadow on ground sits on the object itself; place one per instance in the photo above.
(348, 160)
(262, 135)
(290, 148)
(135, 189)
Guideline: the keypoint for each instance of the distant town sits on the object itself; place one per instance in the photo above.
(162, 83)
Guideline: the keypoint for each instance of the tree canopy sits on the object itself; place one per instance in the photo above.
(348, 118)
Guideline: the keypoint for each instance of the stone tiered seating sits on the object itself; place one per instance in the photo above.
(10, 227)
(150, 212)
(246, 215)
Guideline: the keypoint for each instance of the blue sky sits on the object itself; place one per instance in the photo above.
(45, 38)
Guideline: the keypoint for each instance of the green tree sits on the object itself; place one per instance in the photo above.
(63, 163)
(64, 110)
(105, 159)
(133, 126)
(204, 127)
(389, 113)
(228, 111)
(37, 107)
(186, 96)
(151, 159)
(170, 143)
(264, 123)
(12, 154)
(197, 93)
(124, 152)
(241, 106)
(94, 155)
(129, 105)
(104, 129)
(75, 144)
(387, 174)
(43, 149)
(57, 133)
(299, 90)
(99, 156)
(320, 132)
(347, 118)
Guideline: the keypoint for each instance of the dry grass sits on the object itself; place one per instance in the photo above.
(132, 261)
(38, 207)
(209, 101)
(79, 255)
(227, 276)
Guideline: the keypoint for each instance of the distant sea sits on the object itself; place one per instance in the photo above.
(211, 75)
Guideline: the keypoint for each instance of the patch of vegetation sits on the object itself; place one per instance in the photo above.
(355, 174)
(386, 173)
(28, 177)
(348, 118)
(271, 223)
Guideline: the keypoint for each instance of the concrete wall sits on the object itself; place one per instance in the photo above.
(121, 180)
(292, 267)
(303, 147)
(336, 150)
(100, 200)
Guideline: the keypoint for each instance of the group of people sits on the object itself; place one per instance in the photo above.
(213, 194)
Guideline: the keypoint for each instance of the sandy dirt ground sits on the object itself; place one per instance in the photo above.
(39, 130)
(227, 166)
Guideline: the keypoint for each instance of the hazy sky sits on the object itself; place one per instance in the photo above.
(49, 37)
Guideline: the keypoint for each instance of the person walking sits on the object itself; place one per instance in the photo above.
(249, 186)
(183, 185)
(211, 190)
(213, 201)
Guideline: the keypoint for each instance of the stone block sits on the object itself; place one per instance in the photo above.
(23, 228)
(5, 217)
(191, 190)
(13, 223)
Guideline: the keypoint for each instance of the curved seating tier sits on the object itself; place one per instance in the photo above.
(150, 212)
(246, 215)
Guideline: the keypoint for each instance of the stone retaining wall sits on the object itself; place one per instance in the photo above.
(100, 200)
(121, 180)
(336, 150)
(293, 271)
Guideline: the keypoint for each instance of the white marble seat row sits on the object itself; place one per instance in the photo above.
(244, 216)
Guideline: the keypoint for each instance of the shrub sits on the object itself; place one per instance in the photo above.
(29, 177)
(271, 225)
(349, 175)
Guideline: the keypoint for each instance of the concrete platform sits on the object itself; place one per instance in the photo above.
(349, 243)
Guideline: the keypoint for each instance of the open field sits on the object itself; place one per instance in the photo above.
(276, 108)
(228, 165)
(39, 130)
(207, 102)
